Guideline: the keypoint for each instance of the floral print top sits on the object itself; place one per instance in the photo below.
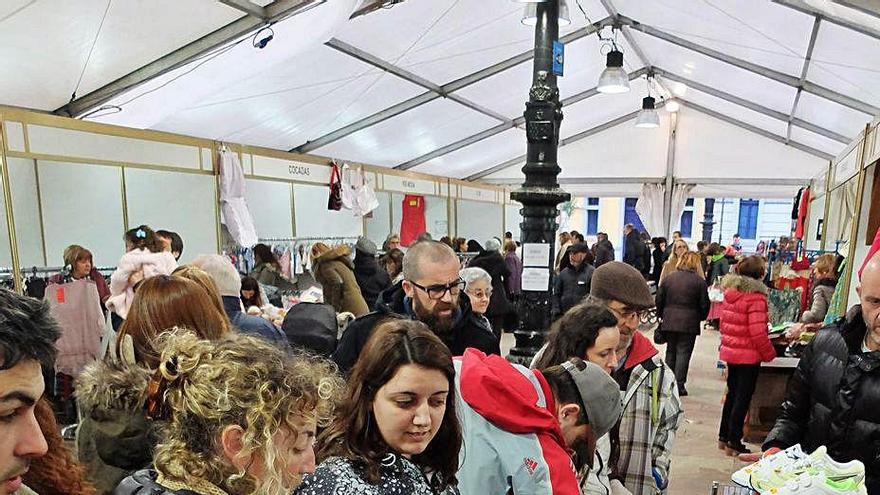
(340, 476)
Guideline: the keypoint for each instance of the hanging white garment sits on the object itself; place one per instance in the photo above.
(234, 212)
(347, 193)
(680, 194)
(650, 209)
(76, 307)
(365, 196)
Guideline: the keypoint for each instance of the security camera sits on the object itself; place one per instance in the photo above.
(263, 37)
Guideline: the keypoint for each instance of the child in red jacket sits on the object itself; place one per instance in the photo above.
(745, 344)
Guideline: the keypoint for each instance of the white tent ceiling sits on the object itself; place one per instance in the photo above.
(770, 89)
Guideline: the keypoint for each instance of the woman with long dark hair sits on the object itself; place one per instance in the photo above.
(398, 431)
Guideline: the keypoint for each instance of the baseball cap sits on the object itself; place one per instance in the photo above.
(599, 392)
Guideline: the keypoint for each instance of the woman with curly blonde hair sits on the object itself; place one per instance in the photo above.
(241, 416)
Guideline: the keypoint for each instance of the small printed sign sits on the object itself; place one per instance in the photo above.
(536, 279)
(536, 255)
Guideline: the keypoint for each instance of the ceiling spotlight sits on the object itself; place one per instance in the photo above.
(530, 16)
(672, 106)
(614, 79)
(648, 117)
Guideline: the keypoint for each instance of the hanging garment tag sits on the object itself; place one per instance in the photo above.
(558, 57)
(59, 295)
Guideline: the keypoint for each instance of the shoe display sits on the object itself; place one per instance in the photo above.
(817, 471)
(788, 456)
(822, 484)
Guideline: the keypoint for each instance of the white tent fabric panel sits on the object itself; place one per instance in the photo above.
(479, 156)
(51, 41)
(817, 141)
(839, 118)
(601, 108)
(703, 149)
(717, 74)
(738, 112)
(443, 40)
(756, 30)
(605, 155)
(503, 92)
(754, 191)
(838, 65)
(413, 133)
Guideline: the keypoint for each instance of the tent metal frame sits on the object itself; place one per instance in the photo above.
(281, 9)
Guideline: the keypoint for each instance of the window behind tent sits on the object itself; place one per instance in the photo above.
(592, 216)
(630, 215)
(748, 218)
(687, 219)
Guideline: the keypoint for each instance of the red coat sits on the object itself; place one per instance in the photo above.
(744, 336)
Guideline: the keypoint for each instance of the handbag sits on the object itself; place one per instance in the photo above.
(347, 190)
(335, 200)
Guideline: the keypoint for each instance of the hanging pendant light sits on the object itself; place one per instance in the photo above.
(614, 79)
(648, 117)
(530, 16)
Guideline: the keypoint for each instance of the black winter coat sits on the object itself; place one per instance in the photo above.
(682, 302)
(603, 251)
(469, 330)
(717, 269)
(659, 258)
(634, 252)
(494, 264)
(833, 399)
(570, 288)
(371, 278)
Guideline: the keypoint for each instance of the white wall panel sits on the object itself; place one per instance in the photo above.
(814, 231)
(82, 204)
(5, 252)
(179, 202)
(512, 219)
(313, 219)
(707, 147)
(81, 144)
(269, 203)
(25, 206)
(15, 136)
(478, 220)
(379, 224)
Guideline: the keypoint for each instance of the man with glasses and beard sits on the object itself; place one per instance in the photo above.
(27, 343)
(429, 292)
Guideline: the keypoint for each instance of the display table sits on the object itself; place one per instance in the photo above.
(768, 397)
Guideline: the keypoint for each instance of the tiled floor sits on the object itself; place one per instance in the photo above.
(696, 461)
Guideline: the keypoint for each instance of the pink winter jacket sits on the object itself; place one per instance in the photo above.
(152, 264)
(744, 336)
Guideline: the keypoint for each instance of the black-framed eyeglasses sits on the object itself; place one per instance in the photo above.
(437, 292)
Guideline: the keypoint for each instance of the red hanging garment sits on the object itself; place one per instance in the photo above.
(412, 225)
(802, 214)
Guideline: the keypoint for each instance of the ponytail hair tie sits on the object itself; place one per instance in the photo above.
(156, 407)
(140, 234)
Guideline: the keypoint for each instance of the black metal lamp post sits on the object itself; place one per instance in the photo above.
(540, 193)
(708, 222)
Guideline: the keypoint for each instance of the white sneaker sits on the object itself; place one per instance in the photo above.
(822, 484)
(780, 459)
(818, 467)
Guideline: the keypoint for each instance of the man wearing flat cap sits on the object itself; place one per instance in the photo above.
(636, 453)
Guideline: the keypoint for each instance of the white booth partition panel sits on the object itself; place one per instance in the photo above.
(814, 223)
(26, 209)
(82, 204)
(863, 238)
(512, 219)
(180, 202)
(479, 220)
(379, 221)
(313, 219)
(5, 249)
(270, 205)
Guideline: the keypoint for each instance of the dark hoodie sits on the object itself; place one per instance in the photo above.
(512, 438)
(370, 277)
(468, 330)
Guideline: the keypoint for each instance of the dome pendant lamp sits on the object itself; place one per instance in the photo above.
(648, 116)
(614, 80)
